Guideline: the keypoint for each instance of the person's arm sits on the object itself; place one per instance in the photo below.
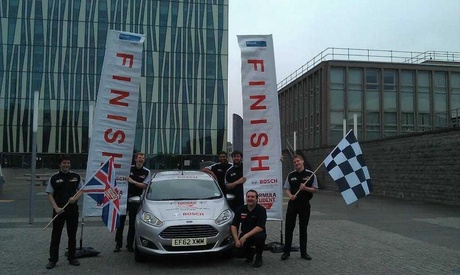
(232, 185)
(209, 171)
(261, 221)
(234, 230)
(77, 195)
(56, 208)
(139, 185)
(287, 189)
(251, 233)
(314, 185)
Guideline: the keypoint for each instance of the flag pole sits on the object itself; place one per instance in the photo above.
(314, 172)
(57, 214)
(79, 190)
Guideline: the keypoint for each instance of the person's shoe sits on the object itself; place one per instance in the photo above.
(250, 256)
(285, 256)
(306, 256)
(74, 262)
(130, 248)
(258, 261)
(50, 265)
(117, 248)
(249, 259)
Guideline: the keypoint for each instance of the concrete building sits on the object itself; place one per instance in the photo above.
(407, 108)
(390, 92)
(57, 47)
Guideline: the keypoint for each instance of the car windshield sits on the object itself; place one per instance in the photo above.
(173, 189)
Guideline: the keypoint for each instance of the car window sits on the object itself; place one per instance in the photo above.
(173, 189)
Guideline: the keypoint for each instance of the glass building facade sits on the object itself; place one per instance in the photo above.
(387, 98)
(57, 47)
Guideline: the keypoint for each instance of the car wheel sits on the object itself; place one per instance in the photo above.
(138, 256)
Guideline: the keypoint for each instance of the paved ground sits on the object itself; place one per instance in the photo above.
(377, 236)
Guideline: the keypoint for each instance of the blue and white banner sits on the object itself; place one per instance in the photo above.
(115, 114)
(261, 123)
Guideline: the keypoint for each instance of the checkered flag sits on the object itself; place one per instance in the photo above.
(346, 166)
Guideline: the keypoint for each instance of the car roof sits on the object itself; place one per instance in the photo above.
(181, 175)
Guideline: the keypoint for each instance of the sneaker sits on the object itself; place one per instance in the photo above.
(285, 256)
(130, 248)
(50, 265)
(306, 256)
(258, 261)
(117, 248)
(74, 262)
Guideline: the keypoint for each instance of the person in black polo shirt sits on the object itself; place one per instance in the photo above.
(61, 190)
(252, 218)
(139, 178)
(299, 204)
(218, 170)
(234, 180)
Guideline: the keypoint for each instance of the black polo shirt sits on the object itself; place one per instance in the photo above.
(63, 186)
(295, 178)
(250, 219)
(219, 169)
(233, 174)
(139, 175)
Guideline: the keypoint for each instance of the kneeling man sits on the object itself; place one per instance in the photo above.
(252, 218)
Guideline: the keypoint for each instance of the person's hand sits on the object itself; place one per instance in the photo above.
(238, 243)
(59, 210)
(303, 187)
(243, 179)
(293, 197)
(72, 200)
(243, 240)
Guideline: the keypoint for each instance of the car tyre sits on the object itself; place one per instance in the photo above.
(138, 256)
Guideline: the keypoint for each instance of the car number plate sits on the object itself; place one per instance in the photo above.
(189, 242)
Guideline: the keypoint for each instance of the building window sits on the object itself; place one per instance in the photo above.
(373, 125)
(372, 79)
(440, 99)
(336, 103)
(390, 128)
(407, 91)
(390, 84)
(407, 122)
(455, 99)
(423, 101)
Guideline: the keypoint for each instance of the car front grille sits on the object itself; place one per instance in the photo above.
(189, 231)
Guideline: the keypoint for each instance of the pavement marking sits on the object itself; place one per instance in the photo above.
(6, 201)
(453, 222)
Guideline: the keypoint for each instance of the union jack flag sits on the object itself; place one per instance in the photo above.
(102, 187)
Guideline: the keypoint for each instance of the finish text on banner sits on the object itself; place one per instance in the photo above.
(261, 135)
(115, 114)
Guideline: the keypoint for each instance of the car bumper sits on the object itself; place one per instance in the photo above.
(159, 240)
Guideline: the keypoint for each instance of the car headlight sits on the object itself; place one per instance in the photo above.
(224, 216)
(151, 219)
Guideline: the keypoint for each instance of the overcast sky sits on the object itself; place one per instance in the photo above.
(302, 29)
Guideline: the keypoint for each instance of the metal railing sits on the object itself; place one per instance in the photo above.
(350, 54)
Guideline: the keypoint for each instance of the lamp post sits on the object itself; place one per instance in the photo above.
(34, 158)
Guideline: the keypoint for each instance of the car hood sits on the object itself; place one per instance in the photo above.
(186, 209)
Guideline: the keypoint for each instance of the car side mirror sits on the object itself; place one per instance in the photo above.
(136, 199)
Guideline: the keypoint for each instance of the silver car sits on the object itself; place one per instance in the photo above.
(182, 212)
